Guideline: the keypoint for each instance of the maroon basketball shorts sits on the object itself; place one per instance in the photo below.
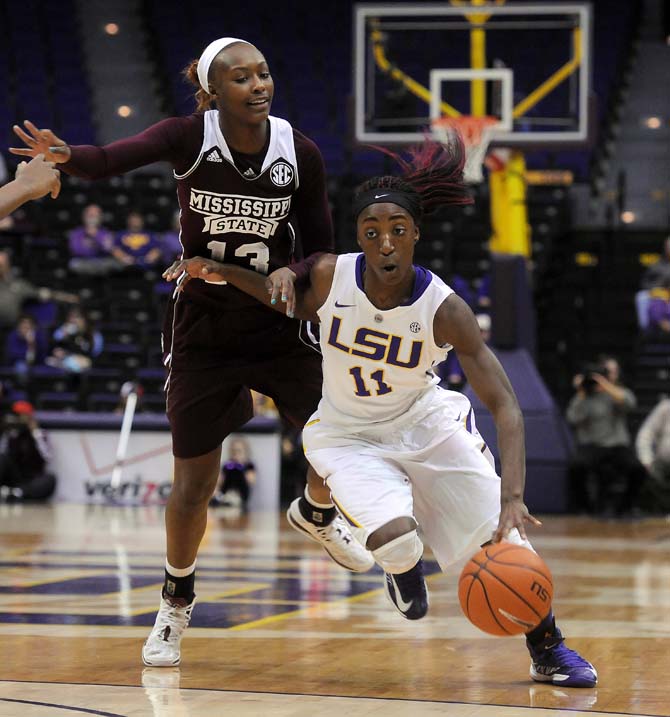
(214, 359)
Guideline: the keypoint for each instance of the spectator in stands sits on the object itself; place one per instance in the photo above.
(653, 450)
(135, 246)
(171, 248)
(658, 274)
(26, 346)
(24, 457)
(76, 343)
(91, 245)
(655, 279)
(33, 180)
(605, 475)
(238, 474)
(659, 311)
(15, 292)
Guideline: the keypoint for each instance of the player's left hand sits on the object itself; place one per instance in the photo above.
(196, 268)
(281, 283)
(513, 514)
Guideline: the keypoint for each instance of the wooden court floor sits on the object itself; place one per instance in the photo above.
(280, 630)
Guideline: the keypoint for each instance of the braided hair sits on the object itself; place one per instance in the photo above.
(432, 177)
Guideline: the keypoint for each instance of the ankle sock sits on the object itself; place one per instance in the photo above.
(179, 583)
(544, 630)
(319, 514)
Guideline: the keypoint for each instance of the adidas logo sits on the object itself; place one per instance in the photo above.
(249, 173)
(213, 156)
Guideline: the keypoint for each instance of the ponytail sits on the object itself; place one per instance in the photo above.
(203, 99)
(432, 177)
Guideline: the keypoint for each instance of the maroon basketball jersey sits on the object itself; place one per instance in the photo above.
(238, 217)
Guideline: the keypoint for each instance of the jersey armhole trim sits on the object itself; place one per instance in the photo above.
(195, 165)
(198, 159)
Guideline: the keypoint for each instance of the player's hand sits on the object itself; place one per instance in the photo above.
(38, 178)
(183, 270)
(513, 514)
(40, 141)
(281, 284)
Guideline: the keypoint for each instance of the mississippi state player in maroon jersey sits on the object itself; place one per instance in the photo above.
(244, 180)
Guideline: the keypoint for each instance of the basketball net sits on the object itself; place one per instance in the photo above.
(476, 132)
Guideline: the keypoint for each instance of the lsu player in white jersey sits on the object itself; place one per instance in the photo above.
(400, 454)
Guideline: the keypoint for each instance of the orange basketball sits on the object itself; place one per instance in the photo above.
(505, 589)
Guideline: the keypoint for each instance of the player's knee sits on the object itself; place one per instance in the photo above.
(400, 554)
(192, 492)
(390, 531)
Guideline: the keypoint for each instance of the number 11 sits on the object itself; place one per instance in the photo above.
(361, 388)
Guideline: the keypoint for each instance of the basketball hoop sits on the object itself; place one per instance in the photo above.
(476, 132)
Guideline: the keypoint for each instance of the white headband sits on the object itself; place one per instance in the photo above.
(208, 55)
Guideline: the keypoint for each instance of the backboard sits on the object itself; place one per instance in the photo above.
(528, 64)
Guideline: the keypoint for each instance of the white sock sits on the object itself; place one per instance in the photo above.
(179, 572)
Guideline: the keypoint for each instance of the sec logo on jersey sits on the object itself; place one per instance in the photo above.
(281, 174)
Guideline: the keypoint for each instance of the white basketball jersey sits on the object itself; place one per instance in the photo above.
(377, 363)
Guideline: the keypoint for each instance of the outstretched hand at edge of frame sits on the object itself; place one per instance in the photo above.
(40, 141)
(38, 178)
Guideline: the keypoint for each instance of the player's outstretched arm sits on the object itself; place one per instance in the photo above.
(40, 141)
(33, 180)
(308, 299)
(455, 324)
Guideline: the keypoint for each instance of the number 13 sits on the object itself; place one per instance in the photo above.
(260, 254)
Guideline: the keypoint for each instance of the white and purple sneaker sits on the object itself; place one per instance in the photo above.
(552, 661)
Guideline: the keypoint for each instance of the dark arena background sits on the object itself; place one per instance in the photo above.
(564, 257)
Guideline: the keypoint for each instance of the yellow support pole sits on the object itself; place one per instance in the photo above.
(413, 86)
(498, 210)
(477, 60)
(518, 240)
(551, 82)
(509, 213)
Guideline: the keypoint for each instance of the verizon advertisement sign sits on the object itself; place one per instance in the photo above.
(83, 461)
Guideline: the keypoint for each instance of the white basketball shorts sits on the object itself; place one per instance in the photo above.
(430, 464)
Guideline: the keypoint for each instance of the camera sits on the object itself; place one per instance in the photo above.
(589, 383)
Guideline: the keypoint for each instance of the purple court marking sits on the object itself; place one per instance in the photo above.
(63, 707)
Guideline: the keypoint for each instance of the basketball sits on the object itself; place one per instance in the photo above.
(505, 589)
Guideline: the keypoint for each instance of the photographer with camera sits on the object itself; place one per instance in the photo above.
(24, 457)
(605, 475)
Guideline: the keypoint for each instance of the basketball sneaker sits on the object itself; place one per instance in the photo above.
(335, 538)
(408, 592)
(162, 647)
(552, 661)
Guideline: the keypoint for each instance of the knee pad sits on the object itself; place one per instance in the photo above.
(400, 554)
